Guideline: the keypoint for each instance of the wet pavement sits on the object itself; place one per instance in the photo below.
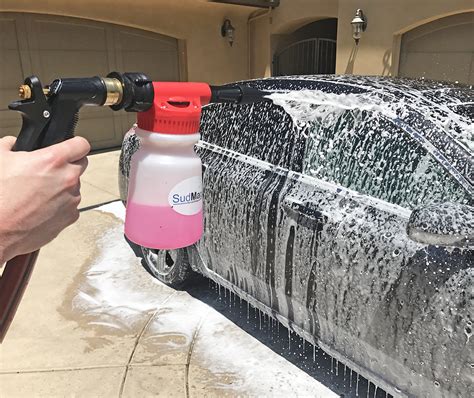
(93, 323)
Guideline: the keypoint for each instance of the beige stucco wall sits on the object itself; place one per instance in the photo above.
(208, 57)
(197, 23)
(378, 50)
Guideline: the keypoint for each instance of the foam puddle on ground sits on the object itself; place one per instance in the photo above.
(223, 348)
(110, 291)
(118, 295)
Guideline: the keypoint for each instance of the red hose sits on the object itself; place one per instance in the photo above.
(13, 282)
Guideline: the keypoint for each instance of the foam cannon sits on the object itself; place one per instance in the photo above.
(50, 115)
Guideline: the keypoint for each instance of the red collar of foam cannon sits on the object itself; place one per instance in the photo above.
(176, 108)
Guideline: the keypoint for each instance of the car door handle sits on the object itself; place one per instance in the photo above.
(305, 213)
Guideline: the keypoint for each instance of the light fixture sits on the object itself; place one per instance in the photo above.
(359, 24)
(227, 31)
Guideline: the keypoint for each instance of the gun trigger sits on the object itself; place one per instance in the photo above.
(36, 114)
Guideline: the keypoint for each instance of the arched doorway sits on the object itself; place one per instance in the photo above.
(307, 51)
(55, 46)
(440, 50)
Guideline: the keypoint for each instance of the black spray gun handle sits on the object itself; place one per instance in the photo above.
(50, 114)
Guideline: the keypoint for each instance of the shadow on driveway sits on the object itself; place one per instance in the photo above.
(316, 363)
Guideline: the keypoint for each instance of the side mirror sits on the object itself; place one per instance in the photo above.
(446, 224)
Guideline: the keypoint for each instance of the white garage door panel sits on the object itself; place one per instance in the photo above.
(68, 36)
(72, 64)
(440, 50)
(97, 130)
(71, 51)
(449, 66)
(144, 41)
(11, 74)
(164, 69)
(52, 47)
(159, 57)
(423, 41)
(10, 61)
(154, 55)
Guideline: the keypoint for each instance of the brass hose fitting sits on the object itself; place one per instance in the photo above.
(24, 91)
(114, 90)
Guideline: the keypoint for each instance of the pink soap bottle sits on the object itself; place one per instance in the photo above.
(164, 205)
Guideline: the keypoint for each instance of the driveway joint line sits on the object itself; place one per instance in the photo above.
(71, 369)
(190, 353)
(137, 340)
(95, 206)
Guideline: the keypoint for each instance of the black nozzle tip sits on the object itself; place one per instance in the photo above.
(251, 95)
(237, 94)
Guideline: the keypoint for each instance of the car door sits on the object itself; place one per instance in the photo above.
(347, 263)
(246, 152)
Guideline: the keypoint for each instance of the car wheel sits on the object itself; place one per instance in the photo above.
(169, 266)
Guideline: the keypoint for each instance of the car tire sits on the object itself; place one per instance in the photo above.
(168, 266)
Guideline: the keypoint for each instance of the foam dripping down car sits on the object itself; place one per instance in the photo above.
(344, 209)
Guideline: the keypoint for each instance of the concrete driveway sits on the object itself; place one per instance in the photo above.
(93, 323)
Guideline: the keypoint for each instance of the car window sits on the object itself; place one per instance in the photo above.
(368, 153)
(260, 130)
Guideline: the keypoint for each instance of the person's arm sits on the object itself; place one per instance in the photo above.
(39, 193)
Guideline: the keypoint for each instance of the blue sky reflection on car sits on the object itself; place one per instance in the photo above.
(306, 210)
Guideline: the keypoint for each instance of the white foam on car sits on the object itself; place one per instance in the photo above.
(354, 275)
(307, 105)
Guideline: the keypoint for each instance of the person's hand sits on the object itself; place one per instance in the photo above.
(39, 193)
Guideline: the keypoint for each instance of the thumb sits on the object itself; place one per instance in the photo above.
(6, 143)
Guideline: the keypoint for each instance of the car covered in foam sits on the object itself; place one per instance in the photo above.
(343, 208)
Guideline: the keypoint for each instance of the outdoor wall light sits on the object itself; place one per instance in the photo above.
(227, 31)
(359, 24)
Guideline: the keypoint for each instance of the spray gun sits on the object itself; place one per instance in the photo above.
(165, 217)
(50, 114)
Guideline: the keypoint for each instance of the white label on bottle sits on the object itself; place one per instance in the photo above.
(186, 197)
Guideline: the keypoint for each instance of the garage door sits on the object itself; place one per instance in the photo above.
(440, 50)
(52, 47)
